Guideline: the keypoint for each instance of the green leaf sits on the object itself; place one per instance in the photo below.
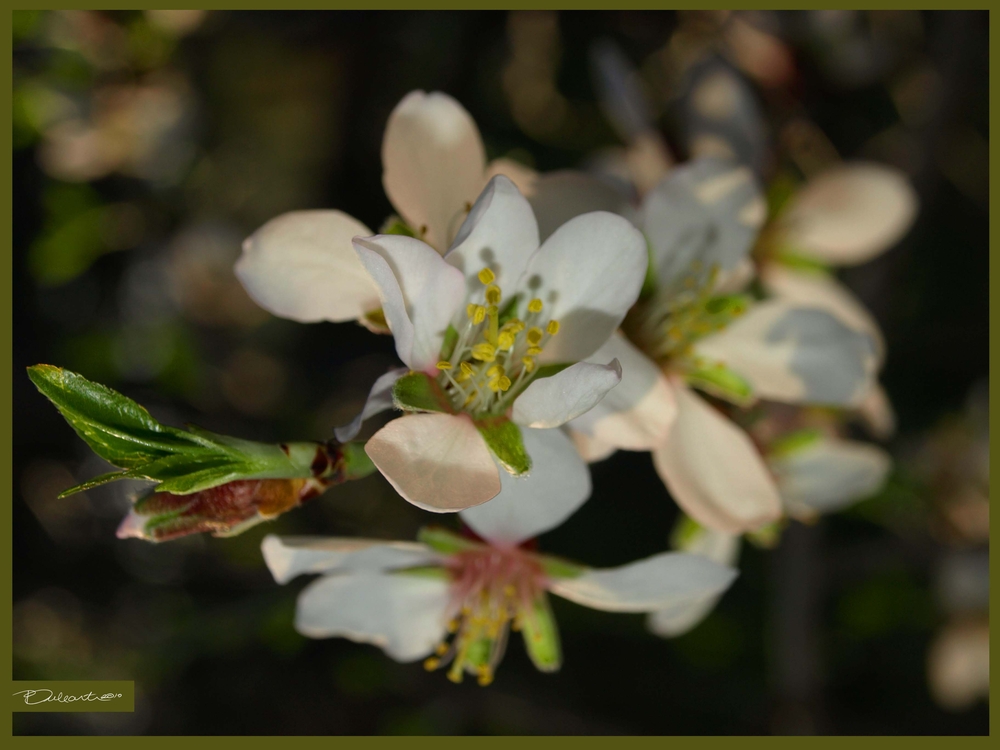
(435, 572)
(395, 225)
(792, 259)
(418, 392)
(444, 541)
(509, 310)
(97, 481)
(556, 567)
(793, 441)
(541, 635)
(685, 533)
(504, 438)
(718, 380)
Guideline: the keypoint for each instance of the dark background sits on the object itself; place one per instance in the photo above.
(827, 633)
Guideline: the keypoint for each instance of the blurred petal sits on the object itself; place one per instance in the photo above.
(301, 265)
(558, 484)
(433, 161)
(419, 291)
(560, 196)
(788, 352)
(635, 415)
(588, 274)
(379, 400)
(404, 615)
(500, 232)
(829, 474)
(811, 289)
(664, 580)
(877, 412)
(713, 470)
(850, 214)
(521, 175)
(553, 401)
(291, 556)
(438, 462)
(705, 214)
(591, 449)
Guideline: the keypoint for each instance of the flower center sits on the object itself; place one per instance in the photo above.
(493, 590)
(495, 354)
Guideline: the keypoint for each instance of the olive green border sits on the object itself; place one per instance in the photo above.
(7, 375)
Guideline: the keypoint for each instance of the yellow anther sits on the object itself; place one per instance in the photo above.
(485, 676)
(529, 364)
(535, 305)
(431, 664)
(534, 351)
(444, 365)
(442, 649)
(492, 311)
(454, 676)
(476, 313)
(486, 276)
(466, 369)
(494, 371)
(504, 383)
(552, 327)
(505, 340)
(494, 385)
(493, 294)
(453, 625)
(509, 590)
(468, 400)
(484, 352)
(534, 335)
(514, 325)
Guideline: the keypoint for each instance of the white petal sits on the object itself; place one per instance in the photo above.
(664, 580)
(829, 474)
(679, 619)
(500, 232)
(713, 470)
(291, 556)
(557, 485)
(404, 615)
(788, 352)
(521, 175)
(591, 449)
(877, 412)
(433, 161)
(811, 289)
(705, 214)
(301, 265)
(560, 196)
(553, 401)
(850, 214)
(379, 400)
(588, 274)
(438, 462)
(635, 415)
(419, 291)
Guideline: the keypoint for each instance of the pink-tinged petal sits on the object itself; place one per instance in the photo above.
(588, 274)
(635, 415)
(521, 175)
(850, 214)
(438, 462)
(591, 449)
(379, 400)
(291, 556)
(560, 196)
(796, 354)
(665, 580)
(877, 413)
(433, 162)
(558, 484)
(553, 401)
(500, 233)
(419, 292)
(818, 289)
(713, 470)
(404, 615)
(301, 266)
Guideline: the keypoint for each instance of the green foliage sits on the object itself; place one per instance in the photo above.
(504, 438)
(418, 392)
(541, 635)
(718, 380)
(444, 541)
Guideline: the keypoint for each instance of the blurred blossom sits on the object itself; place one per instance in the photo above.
(49, 628)
(958, 665)
(66, 520)
(177, 22)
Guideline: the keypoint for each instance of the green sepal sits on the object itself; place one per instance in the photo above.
(435, 572)
(718, 380)
(547, 371)
(356, 463)
(509, 310)
(685, 533)
(556, 567)
(767, 536)
(444, 541)
(783, 186)
(97, 481)
(793, 442)
(418, 392)
(541, 635)
(504, 438)
(788, 257)
(649, 282)
(395, 225)
(448, 345)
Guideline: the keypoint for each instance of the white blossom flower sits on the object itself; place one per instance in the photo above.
(692, 329)
(301, 265)
(493, 334)
(453, 600)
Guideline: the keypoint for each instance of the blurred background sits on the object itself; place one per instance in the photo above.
(147, 145)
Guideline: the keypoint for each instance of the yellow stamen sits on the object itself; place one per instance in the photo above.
(535, 305)
(529, 364)
(534, 335)
(552, 327)
(444, 365)
(514, 325)
(504, 383)
(534, 351)
(432, 663)
(505, 340)
(494, 371)
(476, 313)
(486, 276)
(484, 352)
(493, 295)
